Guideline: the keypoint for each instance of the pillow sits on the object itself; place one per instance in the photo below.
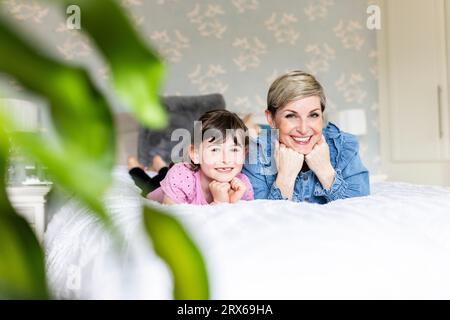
(183, 111)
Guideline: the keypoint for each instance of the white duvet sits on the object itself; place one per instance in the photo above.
(394, 244)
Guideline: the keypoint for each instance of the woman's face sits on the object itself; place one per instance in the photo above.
(300, 124)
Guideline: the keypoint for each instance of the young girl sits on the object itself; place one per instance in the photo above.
(214, 173)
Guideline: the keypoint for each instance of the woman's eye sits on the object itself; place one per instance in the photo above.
(235, 150)
(214, 149)
(291, 115)
(314, 115)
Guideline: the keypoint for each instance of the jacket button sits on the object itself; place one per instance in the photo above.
(306, 199)
(305, 177)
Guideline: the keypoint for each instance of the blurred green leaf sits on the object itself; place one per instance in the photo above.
(137, 71)
(81, 157)
(22, 269)
(175, 247)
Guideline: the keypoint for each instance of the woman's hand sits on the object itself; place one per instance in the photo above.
(219, 191)
(289, 163)
(318, 161)
(237, 190)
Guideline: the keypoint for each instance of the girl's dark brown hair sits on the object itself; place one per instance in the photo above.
(223, 122)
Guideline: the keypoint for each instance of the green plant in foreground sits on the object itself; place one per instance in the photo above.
(22, 274)
(85, 143)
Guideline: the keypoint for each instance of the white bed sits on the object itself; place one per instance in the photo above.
(394, 244)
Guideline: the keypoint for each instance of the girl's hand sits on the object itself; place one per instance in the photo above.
(289, 163)
(318, 161)
(219, 191)
(237, 190)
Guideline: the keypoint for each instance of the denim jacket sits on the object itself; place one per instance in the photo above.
(352, 178)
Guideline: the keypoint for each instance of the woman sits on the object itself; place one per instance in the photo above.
(309, 163)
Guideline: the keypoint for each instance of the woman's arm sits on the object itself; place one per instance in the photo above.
(351, 176)
(352, 181)
(285, 185)
(319, 162)
(289, 163)
(262, 189)
(285, 164)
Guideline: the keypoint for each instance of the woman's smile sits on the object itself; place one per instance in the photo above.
(301, 140)
(300, 124)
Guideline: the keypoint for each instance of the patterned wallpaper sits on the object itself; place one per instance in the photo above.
(235, 47)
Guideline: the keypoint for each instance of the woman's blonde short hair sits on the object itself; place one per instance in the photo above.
(292, 86)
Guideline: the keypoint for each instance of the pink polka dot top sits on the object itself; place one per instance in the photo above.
(182, 185)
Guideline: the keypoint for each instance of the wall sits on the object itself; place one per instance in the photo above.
(236, 47)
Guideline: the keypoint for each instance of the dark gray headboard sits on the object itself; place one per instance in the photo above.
(183, 111)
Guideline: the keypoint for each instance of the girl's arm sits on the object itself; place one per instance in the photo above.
(168, 200)
(178, 185)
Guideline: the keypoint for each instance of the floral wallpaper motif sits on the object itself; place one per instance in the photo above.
(350, 87)
(283, 27)
(26, 10)
(207, 20)
(250, 54)
(74, 43)
(208, 79)
(321, 56)
(237, 48)
(318, 9)
(349, 34)
(171, 46)
(245, 5)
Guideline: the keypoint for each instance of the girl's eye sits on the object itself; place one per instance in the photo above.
(235, 150)
(314, 115)
(214, 149)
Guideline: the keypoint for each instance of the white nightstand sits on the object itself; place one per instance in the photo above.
(29, 201)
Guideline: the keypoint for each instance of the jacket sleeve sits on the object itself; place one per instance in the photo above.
(261, 188)
(352, 178)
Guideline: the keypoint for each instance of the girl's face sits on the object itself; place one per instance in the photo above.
(300, 124)
(220, 161)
